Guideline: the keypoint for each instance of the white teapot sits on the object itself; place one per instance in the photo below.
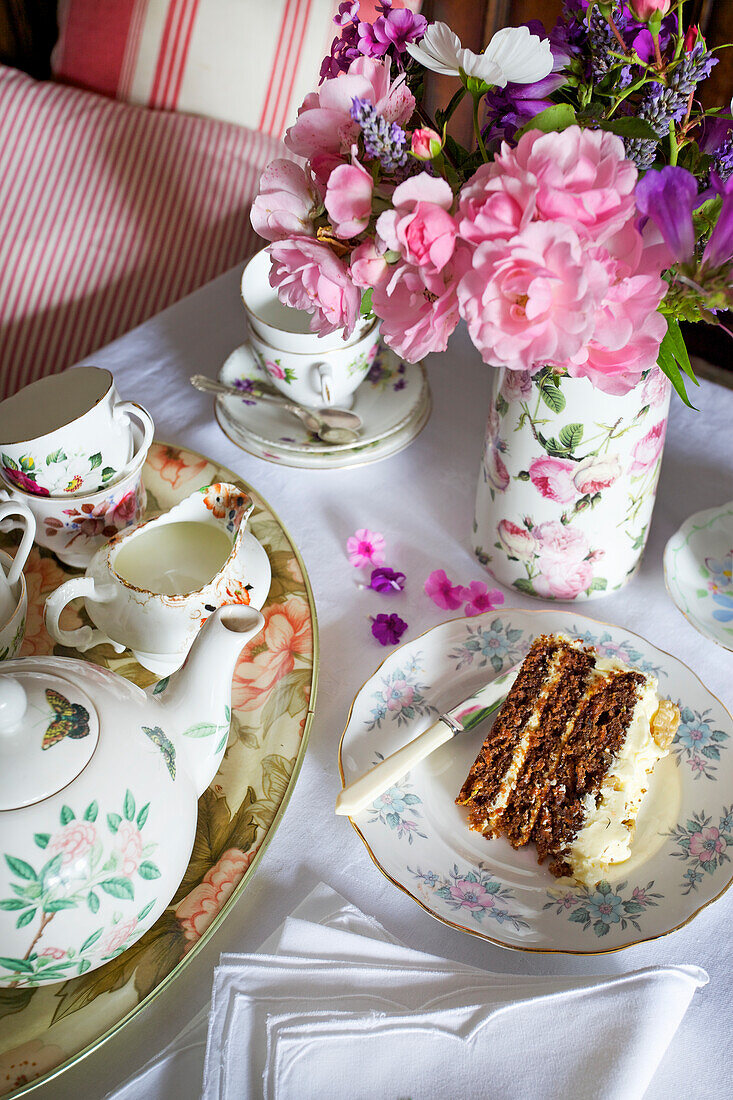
(99, 782)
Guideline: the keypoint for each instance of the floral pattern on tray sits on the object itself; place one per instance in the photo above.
(273, 685)
(486, 887)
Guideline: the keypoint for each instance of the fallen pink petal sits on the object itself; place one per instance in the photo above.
(479, 598)
(443, 592)
(365, 547)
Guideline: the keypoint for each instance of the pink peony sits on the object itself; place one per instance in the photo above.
(308, 276)
(531, 300)
(563, 582)
(647, 450)
(74, 840)
(285, 203)
(596, 472)
(494, 205)
(419, 309)
(443, 592)
(118, 936)
(517, 541)
(52, 953)
(560, 544)
(582, 176)
(324, 124)
(368, 266)
(129, 845)
(516, 384)
(199, 908)
(349, 199)
(554, 478)
(419, 226)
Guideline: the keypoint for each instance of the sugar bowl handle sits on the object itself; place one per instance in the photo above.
(84, 637)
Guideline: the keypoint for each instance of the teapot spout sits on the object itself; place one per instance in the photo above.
(196, 700)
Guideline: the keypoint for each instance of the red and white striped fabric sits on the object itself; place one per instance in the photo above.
(108, 214)
(245, 61)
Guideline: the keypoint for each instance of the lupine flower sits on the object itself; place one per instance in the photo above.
(383, 141)
(365, 547)
(388, 629)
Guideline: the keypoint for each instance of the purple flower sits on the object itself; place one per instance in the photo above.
(719, 249)
(388, 629)
(387, 580)
(384, 141)
(402, 27)
(347, 13)
(668, 197)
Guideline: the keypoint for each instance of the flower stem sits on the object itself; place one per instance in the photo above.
(673, 147)
(477, 128)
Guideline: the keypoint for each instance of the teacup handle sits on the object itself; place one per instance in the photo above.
(84, 637)
(325, 373)
(131, 408)
(13, 508)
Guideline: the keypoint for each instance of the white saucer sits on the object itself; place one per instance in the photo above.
(393, 401)
(698, 572)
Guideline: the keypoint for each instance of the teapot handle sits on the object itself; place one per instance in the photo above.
(84, 637)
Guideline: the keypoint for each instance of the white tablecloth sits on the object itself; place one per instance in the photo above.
(422, 500)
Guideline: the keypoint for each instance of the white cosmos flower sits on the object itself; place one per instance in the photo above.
(512, 56)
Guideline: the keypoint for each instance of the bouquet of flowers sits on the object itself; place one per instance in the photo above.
(593, 211)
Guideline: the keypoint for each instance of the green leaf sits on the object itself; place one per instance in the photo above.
(21, 868)
(148, 870)
(598, 584)
(84, 965)
(557, 117)
(228, 713)
(366, 302)
(145, 910)
(161, 685)
(93, 901)
(113, 820)
(91, 940)
(129, 806)
(13, 903)
(51, 869)
(41, 839)
(222, 743)
(8, 463)
(631, 127)
(107, 474)
(67, 815)
(524, 585)
(571, 435)
(25, 918)
(672, 356)
(142, 817)
(200, 729)
(95, 460)
(58, 905)
(90, 814)
(16, 964)
(118, 888)
(56, 456)
(552, 396)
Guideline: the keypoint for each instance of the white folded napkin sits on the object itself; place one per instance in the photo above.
(332, 1005)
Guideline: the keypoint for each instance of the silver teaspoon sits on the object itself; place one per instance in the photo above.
(330, 425)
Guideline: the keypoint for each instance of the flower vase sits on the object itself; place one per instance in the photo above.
(568, 481)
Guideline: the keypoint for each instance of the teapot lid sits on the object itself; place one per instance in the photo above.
(49, 730)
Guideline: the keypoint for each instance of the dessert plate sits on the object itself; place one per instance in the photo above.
(394, 404)
(698, 572)
(45, 1030)
(420, 839)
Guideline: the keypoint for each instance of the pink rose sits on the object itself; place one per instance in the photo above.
(596, 472)
(516, 384)
(196, 912)
(285, 203)
(129, 846)
(517, 541)
(647, 450)
(425, 143)
(560, 544)
(554, 478)
(307, 275)
(494, 205)
(74, 841)
(420, 227)
(419, 309)
(531, 300)
(324, 124)
(495, 469)
(349, 199)
(274, 369)
(582, 176)
(645, 9)
(124, 511)
(563, 581)
(117, 936)
(368, 266)
(656, 388)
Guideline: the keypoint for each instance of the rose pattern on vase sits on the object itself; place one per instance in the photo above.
(704, 844)
(475, 890)
(567, 483)
(603, 906)
(396, 807)
(696, 743)
(86, 861)
(402, 696)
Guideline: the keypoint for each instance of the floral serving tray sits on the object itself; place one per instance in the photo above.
(46, 1029)
(420, 839)
(698, 572)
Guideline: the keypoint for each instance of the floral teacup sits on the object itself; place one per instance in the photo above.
(69, 434)
(152, 588)
(75, 528)
(13, 595)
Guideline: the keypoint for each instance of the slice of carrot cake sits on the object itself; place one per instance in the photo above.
(567, 761)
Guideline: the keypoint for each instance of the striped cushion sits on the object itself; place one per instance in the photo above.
(108, 214)
(245, 61)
